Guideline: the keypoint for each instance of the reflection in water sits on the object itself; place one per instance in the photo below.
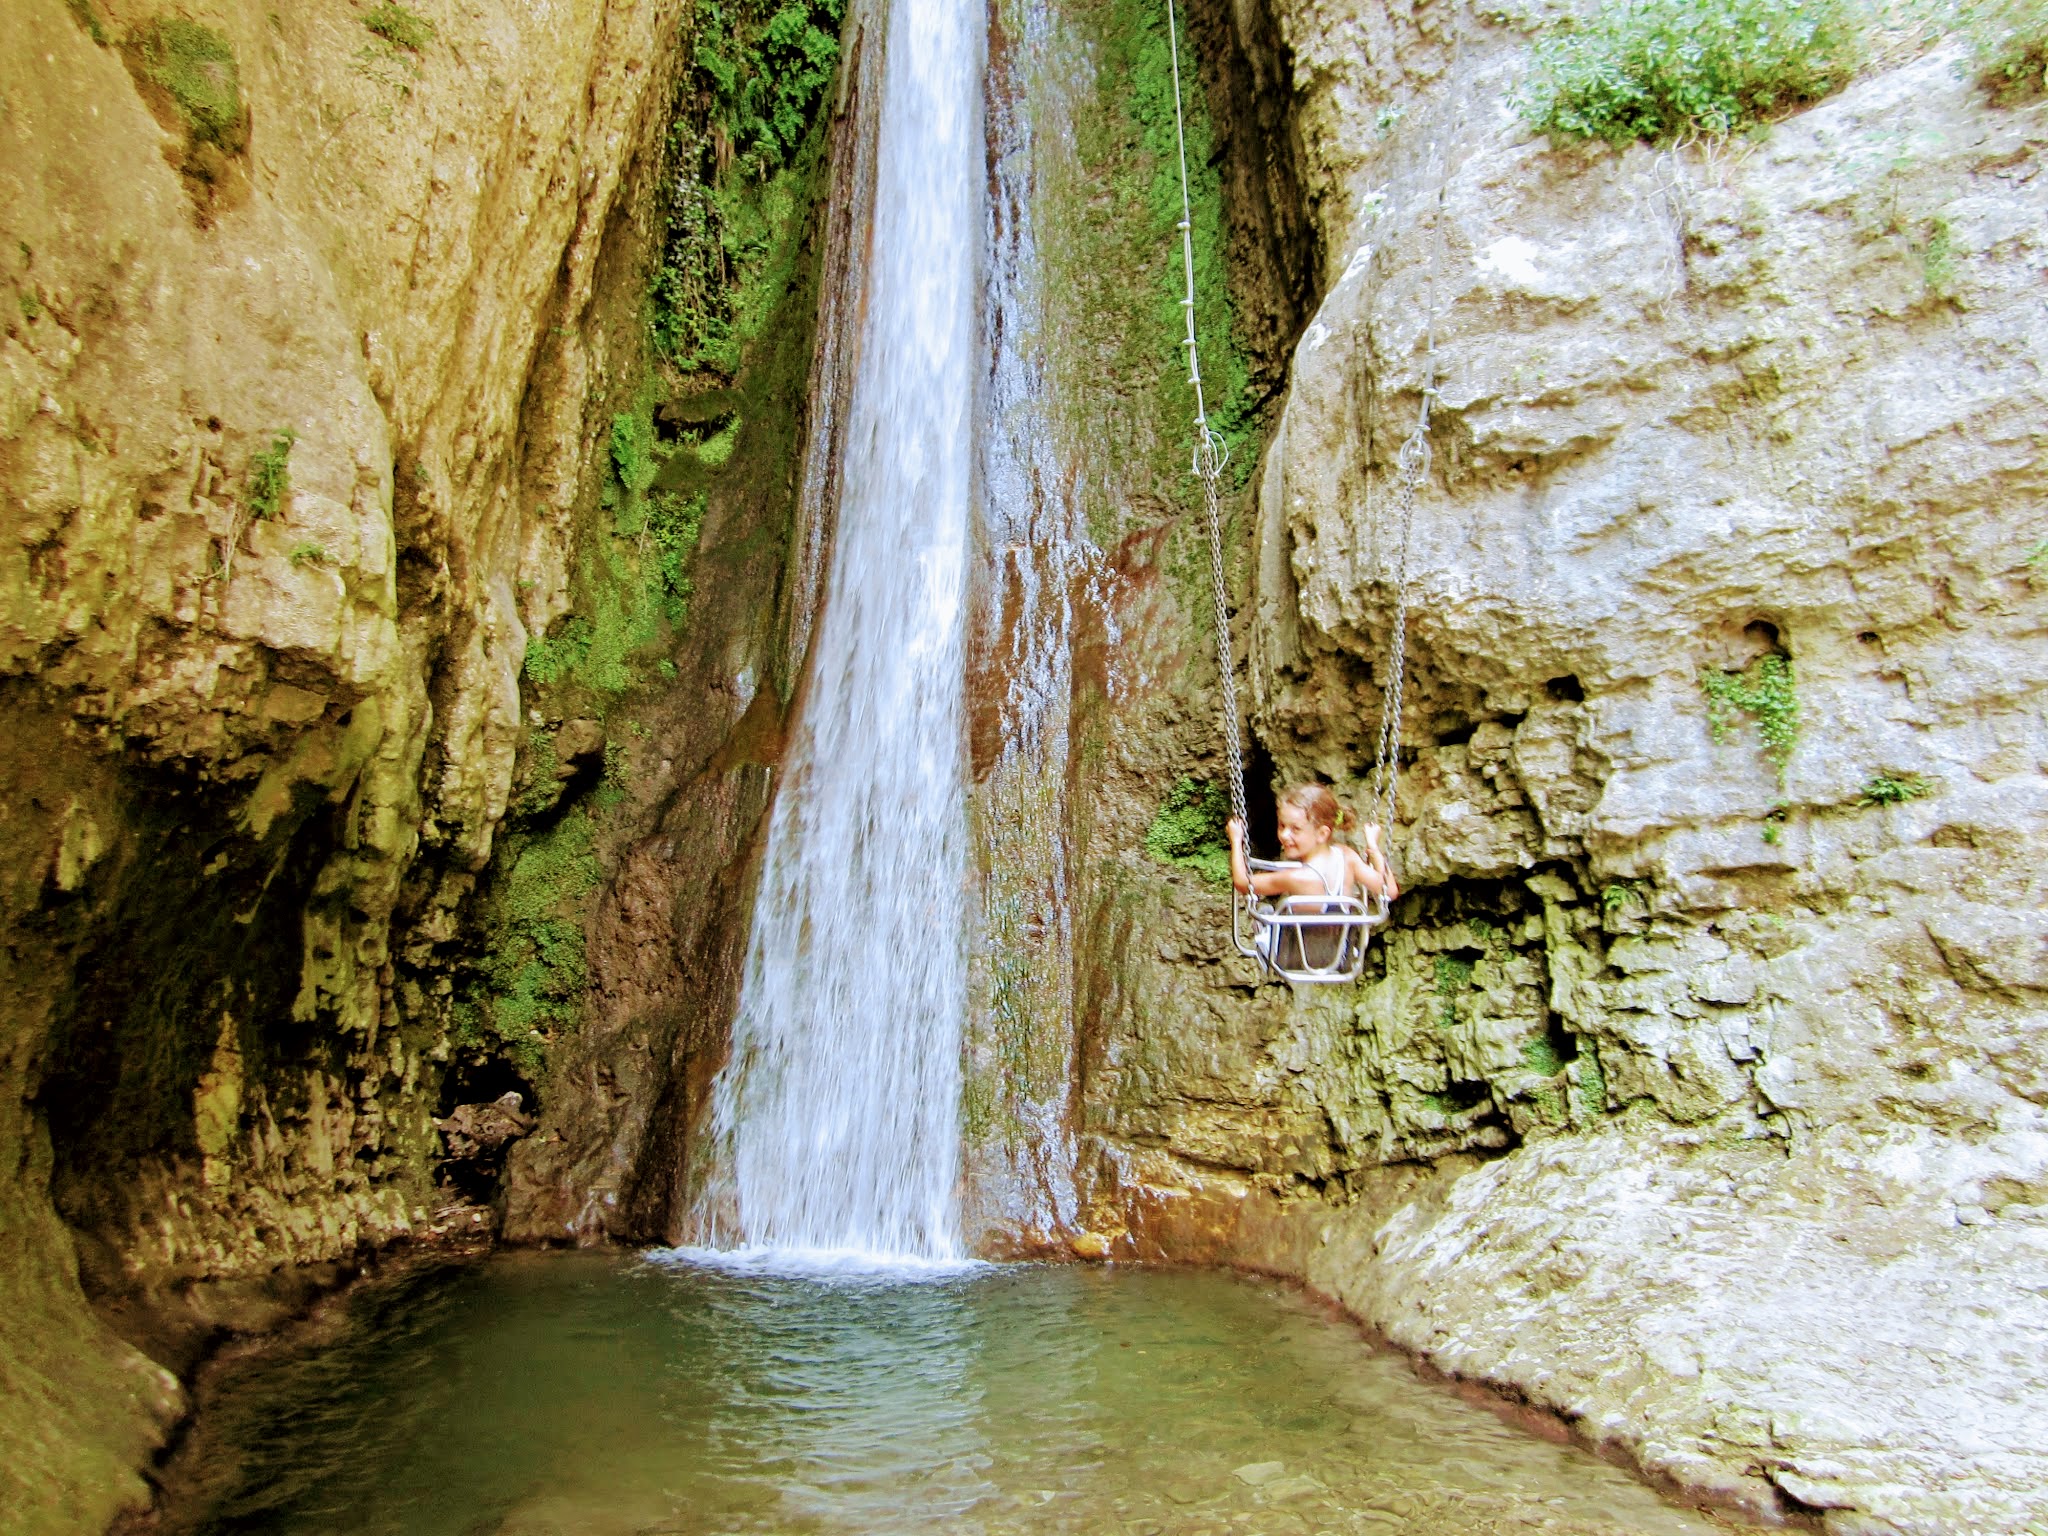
(595, 1395)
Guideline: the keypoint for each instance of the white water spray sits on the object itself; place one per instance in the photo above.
(837, 1120)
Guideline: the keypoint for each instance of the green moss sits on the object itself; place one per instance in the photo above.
(31, 305)
(1938, 257)
(541, 786)
(1453, 976)
(1110, 240)
(195, 67)
(529, 986)
(1664, 69)
(674, 525)
(1188, 831)
(270, 476)
(631, 579)
(1588, 1085)
(1541, 1056)
(1764, 691)
(308, 554)
(396, 25)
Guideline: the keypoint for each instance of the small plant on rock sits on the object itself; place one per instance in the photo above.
(1895, 789)
(308, 554)
(399, 26)
(1938, 257)
(270, 476)
(1666, 69)
(1763, 691)
(194, 66)
(1617, 894)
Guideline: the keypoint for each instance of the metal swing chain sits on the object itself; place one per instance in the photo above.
(1210, 454)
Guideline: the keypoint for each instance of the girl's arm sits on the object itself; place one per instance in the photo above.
(1376, 861)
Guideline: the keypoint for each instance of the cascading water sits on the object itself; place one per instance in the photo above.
(836, 1123)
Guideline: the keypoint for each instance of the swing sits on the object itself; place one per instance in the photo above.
(1304, 940)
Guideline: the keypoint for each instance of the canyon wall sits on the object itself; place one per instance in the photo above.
(1696, 1090)
(317, 326)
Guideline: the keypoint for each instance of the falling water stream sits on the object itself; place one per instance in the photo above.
(836, 1122)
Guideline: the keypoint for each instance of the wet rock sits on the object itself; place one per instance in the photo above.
(475, 1131)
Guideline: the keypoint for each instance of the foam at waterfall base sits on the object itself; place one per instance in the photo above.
(848, 1264)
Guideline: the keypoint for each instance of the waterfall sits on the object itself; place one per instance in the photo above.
(836, 1122)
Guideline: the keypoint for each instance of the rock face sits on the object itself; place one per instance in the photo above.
(1727, 1065)
(309, 330)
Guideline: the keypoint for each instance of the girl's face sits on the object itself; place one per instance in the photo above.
(1300, 838)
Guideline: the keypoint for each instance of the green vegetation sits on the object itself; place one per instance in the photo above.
(633, 577)
(1619, 893)
(308, 554)
(530, 982)
(84, 13)
(540, 784)
(270, 477)
(195, 67)
(1588, 1085)
(740, 175)
(1938, 257)
(1109, 226)
(1188, 831)
(1764, 691)
(400, 27)
(1666, 69)
(1895, 789)
(2008, 42)
(1541, 1056)
(1774, 822)
(31, 306)
(1453, 976)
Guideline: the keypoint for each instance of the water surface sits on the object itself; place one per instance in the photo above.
(602, 1395)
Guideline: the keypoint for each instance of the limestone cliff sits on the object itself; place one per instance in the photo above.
(1697, 1089)
(311, 320)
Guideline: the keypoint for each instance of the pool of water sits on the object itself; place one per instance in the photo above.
(607, 1395)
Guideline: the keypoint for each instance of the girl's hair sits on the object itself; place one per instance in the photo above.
(1320, 806)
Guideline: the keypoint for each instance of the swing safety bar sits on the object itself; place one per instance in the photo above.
(1306, 940)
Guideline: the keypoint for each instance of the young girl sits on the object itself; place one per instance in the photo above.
(1309, 820)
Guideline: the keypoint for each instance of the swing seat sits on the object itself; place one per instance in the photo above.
(1306, 940)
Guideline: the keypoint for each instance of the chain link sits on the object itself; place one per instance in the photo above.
(1210, 453)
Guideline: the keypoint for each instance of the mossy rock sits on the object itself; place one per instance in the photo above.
(190, 68)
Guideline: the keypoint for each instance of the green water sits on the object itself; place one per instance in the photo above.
(595, 1395)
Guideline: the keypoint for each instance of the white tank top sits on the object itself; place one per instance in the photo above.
(1333, 869)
